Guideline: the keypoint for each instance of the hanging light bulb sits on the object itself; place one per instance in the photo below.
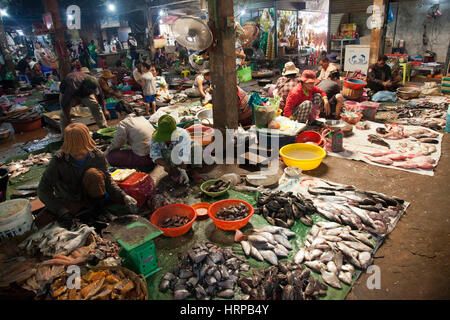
(111, 7)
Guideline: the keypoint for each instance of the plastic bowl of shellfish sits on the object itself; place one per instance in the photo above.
(171, 210)
(229, 225)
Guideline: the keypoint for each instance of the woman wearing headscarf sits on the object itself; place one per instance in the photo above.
(77, 177)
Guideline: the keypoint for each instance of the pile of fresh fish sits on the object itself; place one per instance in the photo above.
(284, 208)
(204, 272)
(43, 274)
(361, 210)
(286, 281)
(392, 131)
(16, 168)
(174, 221)
(53, 240)
(334, 251)
(107, 284)
(218, 186)
(425, 113)
(268, 243)
(402, 160)
(233, 213)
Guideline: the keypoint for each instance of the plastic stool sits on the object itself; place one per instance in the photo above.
(185, 72)
(103, 64)
(22, 77)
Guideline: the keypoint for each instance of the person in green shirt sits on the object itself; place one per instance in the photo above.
(93, 51)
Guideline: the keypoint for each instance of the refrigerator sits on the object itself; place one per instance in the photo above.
(357, 57)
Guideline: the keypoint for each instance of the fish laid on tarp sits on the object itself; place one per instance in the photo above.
(285, 281)
(377, 140)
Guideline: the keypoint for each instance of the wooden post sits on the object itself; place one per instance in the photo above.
(223, 65)
(60, 40)
(378, 34)
(148, 11)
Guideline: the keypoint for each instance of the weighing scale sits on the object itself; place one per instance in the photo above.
(138, 248)
(334, 127)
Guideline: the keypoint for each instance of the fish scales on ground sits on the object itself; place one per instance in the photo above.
(285, 281)
(204, 272)
(282, 209)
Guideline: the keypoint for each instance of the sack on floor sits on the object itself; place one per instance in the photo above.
(430, 89)
(384, 96)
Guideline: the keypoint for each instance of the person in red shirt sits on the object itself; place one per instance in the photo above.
(305, 100)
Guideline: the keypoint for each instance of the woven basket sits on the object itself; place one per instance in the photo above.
(352, 93)
(408, 92)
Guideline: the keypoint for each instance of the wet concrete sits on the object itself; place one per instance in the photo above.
(414, 259)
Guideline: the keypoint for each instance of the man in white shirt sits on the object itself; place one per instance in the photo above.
(137, 133)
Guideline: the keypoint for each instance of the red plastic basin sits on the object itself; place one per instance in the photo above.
(27, 125)
(309, 137)
(206, 137)
(170, 210)
(354, 83)
(229, 225)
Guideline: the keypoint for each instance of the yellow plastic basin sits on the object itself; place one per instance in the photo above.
(303, 155)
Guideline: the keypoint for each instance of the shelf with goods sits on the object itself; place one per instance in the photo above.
(341, 49)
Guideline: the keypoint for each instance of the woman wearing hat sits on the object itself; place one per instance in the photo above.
(304, 101)
(285, 83)
(105, 83)
(77, 177)
(172, 147)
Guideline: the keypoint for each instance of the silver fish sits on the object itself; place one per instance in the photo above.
(326, 256)
(332, 232)
(270, 229)
(357, 246)
(338, 259)
(263, 246)
(364, 258)
(299, 256)
(255, 254)
(315, 265)
(316, 253)
(331, 279)
(363, 237)
(307, 255)
(317, 241)
(281, 251)
(347, 236)
(348, 268)
(283, 241)
(348, 252)
(246, 247)
(362, 214)
(345, 277)
(254, 239)
(314, 231)
(269, 256)
(288, 233)
(268, 236)
(332, 238)
(328, 225)
(331, 267)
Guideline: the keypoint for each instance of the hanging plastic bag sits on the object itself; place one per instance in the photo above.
(390, 17)
(245, 74)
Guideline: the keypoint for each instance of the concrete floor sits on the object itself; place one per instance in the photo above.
(414, 259)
